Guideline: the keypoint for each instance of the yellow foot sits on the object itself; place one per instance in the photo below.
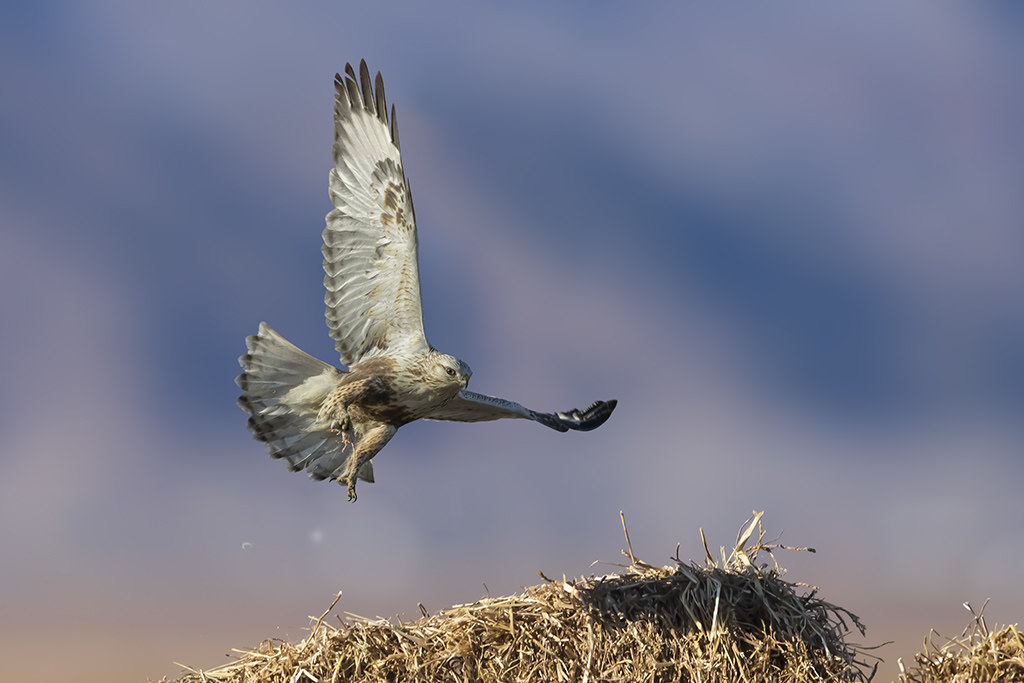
(342, 424)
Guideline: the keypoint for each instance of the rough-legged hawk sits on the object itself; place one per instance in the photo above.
(332, 422)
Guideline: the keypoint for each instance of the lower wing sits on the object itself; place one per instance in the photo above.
(469, 406)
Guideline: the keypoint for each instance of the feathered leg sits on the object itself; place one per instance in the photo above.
(371, 443)
(335, 406)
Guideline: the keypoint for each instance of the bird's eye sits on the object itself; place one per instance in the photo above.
(450, 371)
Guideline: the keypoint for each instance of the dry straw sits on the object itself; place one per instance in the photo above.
(730, 619)
(977, 656)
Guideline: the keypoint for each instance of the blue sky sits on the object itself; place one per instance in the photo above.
(786, 238)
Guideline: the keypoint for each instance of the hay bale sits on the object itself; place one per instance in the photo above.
(977, 656)
(726, 620)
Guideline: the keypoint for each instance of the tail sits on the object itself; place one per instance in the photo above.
(282, 390)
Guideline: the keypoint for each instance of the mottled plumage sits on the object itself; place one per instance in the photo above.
(332, 422)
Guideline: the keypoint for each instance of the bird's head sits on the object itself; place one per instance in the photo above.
(451, 370)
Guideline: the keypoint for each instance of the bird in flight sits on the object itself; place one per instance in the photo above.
(333, 422)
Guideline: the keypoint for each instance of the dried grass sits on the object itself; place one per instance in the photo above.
(726, 620)
(977, 656)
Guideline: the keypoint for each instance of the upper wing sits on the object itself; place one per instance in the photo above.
(469, 406)
(372, 277)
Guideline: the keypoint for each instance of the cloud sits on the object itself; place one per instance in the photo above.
(70, 362)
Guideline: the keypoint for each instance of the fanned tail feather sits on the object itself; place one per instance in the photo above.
(282, 390)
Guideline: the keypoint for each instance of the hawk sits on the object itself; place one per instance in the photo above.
(332, 422)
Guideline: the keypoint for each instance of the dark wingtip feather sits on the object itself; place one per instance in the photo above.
(354, 100)
(382, 105)
(340, 93)
(594, 416)
(394, 129)
(367, 87)
(579, 420)
(349, 85)
(362, 91)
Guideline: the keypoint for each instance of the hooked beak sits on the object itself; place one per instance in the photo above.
(464, 380)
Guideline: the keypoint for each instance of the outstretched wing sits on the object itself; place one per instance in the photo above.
(372, 276)
(469, 406)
